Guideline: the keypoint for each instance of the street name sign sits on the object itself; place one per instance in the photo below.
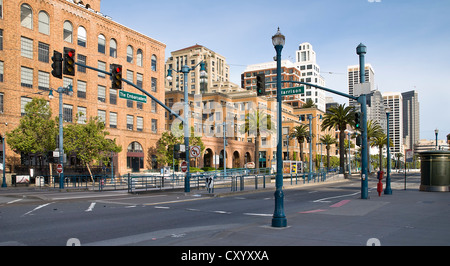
(132, 96)
(292, 91)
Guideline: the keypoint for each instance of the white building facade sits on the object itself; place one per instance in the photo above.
(306, 62)
(394, 101)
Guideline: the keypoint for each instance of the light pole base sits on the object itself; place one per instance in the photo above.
(279, 222)
(388, 191)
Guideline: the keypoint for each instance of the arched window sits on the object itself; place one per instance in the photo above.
(68, 31)
(135, 157)
(140, 58)
(113, 48)
(44, 23)
(82, 36)
(154, 62)
(130, 54)
(101, 44)
(26, 16)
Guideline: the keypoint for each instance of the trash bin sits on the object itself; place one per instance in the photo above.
(435, 169)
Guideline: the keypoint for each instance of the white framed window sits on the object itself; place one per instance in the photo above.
(82, 36)
(139, 123)
(68, 31)
(26, 47)
(101, 116)
(140, 58)
(82, 117)
(26, 16)
(101, 44)
(130, 54)
(26, 77)
(112, 120)
(130, 122)
(44, 23)
(43, 81)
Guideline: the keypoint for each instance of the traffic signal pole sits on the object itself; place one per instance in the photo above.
(362, 99)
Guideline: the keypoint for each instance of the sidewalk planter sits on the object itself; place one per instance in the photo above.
(435, 171)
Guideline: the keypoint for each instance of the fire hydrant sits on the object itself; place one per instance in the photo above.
(380, 184)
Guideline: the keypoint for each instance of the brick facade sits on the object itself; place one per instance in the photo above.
(28, 42)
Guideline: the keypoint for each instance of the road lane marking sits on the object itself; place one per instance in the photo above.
(313, 211)
(37, 208)
(91, 207)
(160, 207)
(14, 201)
(325, 200)
(259, 214)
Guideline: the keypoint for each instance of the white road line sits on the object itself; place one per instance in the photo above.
(159, 207)
(325, 200)
(14, 201)
(37, 208)
(222, 212)
(91, 207)
(259, 214)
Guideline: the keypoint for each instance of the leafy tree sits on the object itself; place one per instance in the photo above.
(300, 133)
(37, 131)
(340, 117)
(89, 143)
(309, 104)
(165, 146)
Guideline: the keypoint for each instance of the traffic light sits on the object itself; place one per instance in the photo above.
(358, 120)
(57, 64)
(69, 62)
(261, 84)
(116, 76)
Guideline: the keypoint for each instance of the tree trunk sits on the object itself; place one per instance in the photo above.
(341, 150)
(90, 172)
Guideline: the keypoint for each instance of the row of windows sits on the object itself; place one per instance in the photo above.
(68, 116)
(26, 20)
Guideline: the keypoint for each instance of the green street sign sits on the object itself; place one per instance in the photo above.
(292, 91)
(132, 96)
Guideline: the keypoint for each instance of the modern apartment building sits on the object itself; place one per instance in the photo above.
(217, 69)
(288, 72)
(394, 101)
(29, 33)
(354, 79)
(310, 73)
(411, 118)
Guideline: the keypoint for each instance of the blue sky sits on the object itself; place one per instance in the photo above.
(408, 40)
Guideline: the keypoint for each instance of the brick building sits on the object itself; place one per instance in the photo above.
(30, 30)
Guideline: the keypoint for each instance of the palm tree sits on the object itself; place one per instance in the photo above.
(374, 130)
(379, 142)
(340, 117)
(255, 124)
(300, 133)
(328, 140)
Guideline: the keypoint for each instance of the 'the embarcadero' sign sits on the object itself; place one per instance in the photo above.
(132, 96)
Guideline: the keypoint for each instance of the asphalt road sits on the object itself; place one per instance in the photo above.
(324, 214)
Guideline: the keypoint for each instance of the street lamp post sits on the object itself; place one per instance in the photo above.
(436, 132)
(361, 50)
(349, 154)
(187, 130)
(61, 91)
(388, 190)
(279, 218)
